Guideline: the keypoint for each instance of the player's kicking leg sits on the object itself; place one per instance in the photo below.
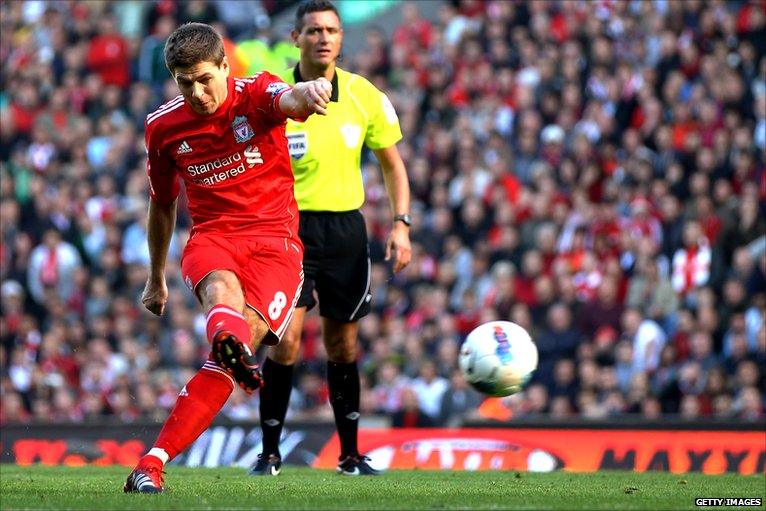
(205, 394)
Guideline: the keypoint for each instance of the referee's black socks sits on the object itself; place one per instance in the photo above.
(343, 380)
(275, 397)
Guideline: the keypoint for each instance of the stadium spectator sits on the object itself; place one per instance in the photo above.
(605, 310)
(559, 341)
(652, 294)
(429, 387)
(151, 58)
(52, 268)
(108, 53)
(648, 340)
(389, 387)
(691, 263)
(459, 401)
(410, 415)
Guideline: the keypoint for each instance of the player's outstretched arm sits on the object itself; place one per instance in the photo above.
(398, 189)
(306, 98)
(160, 224)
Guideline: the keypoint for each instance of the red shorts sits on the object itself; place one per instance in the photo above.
(269, 269)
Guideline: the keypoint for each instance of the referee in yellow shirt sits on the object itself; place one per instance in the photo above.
(326, 158)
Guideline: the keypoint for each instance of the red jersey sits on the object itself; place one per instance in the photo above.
(226, 194)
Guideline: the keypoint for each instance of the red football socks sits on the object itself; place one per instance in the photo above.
(197, 405)
(223, 317)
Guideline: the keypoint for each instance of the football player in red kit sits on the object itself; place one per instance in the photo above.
(225, 138)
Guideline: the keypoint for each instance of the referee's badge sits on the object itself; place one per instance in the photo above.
(242, 129)
(297, 144)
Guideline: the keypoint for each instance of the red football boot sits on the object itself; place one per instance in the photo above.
(146, 477)
(236, 358)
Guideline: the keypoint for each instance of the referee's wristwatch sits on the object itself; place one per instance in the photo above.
(404, 218)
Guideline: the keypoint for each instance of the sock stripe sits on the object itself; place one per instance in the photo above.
(210, 366)
(225, 310)
(218, 370)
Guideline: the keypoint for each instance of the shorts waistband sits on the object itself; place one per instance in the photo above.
(328, 213)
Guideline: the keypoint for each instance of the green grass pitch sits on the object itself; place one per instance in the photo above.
(41, 487)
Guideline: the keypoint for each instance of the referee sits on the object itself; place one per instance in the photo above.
(325, 154)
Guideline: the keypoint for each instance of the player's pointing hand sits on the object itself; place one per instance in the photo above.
(307, 98)
(315, 94)
(325, 88)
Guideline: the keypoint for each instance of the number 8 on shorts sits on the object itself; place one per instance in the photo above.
(277, 304)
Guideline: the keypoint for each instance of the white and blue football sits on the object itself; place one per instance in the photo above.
(498, 358)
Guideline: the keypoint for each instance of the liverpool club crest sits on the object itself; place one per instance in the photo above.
(242, 130)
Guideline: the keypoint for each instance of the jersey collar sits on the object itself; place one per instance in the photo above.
(298, 78)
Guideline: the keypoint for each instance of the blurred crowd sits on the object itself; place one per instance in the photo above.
(591, 170)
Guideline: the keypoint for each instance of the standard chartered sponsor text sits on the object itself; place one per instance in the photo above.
(218, 164)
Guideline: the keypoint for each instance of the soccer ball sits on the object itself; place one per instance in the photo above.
(498, 358)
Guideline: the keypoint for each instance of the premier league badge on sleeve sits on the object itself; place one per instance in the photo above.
(275, 88)
(242, 130)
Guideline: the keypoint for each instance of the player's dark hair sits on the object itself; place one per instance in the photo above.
(308, 6)
(192, 43)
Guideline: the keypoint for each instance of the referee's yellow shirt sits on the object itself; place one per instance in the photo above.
(326, 150)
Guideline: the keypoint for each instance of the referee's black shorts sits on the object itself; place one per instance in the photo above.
(336, 264)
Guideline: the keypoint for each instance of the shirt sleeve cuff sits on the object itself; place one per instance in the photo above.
(279, 111)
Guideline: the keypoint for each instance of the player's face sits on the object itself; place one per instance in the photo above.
(320, 39)
(203, 85)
